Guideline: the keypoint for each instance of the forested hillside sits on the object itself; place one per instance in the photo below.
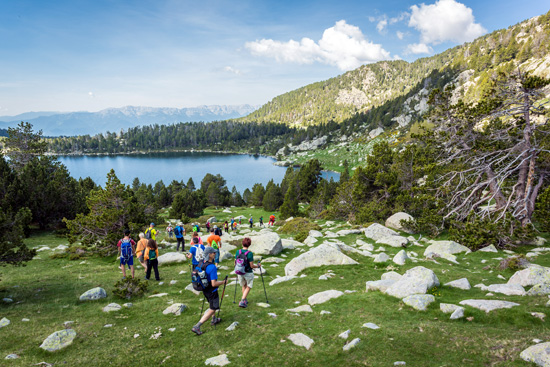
(373, 85)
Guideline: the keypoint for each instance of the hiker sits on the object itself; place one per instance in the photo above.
(211, 292)
(151, 256)
(271, 220)
(196, 227)
(251, 221)
(231, 223)
(245, 259)
(234, 226)
(195, 235)
(179, 231)
(226, 227)
(170, 231)
(215, 242)
(240, 222)
(207, 227)
(151, 232)
(140, 250)
(126, 250)
(196, 252)
(217, 231)
(261, 221)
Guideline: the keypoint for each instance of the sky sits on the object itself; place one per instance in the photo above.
(81, 55)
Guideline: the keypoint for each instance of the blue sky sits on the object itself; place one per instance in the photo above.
(79, 55)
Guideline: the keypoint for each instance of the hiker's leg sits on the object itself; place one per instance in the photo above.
(207, 315)
(132, 268)
(156, 267)
(123, 267)
(246, 290)
(148, 270)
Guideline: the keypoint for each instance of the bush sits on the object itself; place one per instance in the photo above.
(130, 287)
(299, 225)
(301, 236)
(514, 263)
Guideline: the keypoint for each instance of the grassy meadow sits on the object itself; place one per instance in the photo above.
(47, 291)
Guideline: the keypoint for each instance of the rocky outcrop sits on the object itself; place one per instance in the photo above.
(395, 221)
(171, 258)
(266, 243)
(58, 340)
(93, 294)
(417, 280)
(321, 255)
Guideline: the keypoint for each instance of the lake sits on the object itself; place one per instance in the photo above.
(239, 170)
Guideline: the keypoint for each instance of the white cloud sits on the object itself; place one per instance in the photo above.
(232, 70)
(381, 26)
(343, 45)
(446, 20)
(400, 35)
(91, 94)
(418, 48)
(399, 18)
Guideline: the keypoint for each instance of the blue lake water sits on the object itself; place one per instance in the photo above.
(241, 171)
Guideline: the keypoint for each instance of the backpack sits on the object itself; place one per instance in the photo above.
(214, 245)
(199, 253)
(126, 251)
(250, 221)
(199, 279)
(152, 254)
(178, 231)
(242, 263)
(148, 233)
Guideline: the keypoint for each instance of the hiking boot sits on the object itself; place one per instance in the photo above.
(196, 330)
(215, 321)
(242, 304)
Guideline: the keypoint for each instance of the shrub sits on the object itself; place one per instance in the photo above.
(130, 287)
(514, 263)
(301, 236)
(298, 225)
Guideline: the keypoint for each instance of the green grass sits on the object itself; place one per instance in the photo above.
(46, 291)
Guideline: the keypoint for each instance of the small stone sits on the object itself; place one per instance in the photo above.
(539, 354)
(301, 340)
(370, 325)
(538, 315)
(7, 300)
(399, 363)
(302, 308)
(220, 360)
(136, 336)
(460, 284)
(12, 356)
(232, 326)
(323, 297)
(501, 277)
(262, 304)
(128, 305)
(272, 314)
(66, 324)
(182, 272)
(4, 322)
(488, 305)
(161, 283)
(58, 340)
(448, 308)
(172, 329)
(175, 309)
(537, 341)
(345, 334)
(108, 325)
(25, 320)
(458, 314)
(172, 282)
(112, 307)
(158, 295)
(93, 294)
(351, 344)
(419, 302)
(323, 312)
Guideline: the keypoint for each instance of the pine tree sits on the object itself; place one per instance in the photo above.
(273, 198)
(190, 184)
(22, 144)
(344, 176)
(290, 204)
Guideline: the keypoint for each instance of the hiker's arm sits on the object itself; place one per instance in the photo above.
(217, 283)
(254, 266)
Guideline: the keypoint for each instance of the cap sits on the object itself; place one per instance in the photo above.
(208, 250)
(152, 223)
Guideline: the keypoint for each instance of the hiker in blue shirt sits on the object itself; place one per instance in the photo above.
(211, 293)
(179, 231)
(196, 252)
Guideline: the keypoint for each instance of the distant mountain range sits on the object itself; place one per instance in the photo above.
(114, 119)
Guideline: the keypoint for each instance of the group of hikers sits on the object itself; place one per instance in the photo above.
(205, 260)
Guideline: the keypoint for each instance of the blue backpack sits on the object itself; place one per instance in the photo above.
(126, 251)
(177, 231)
(198, 277)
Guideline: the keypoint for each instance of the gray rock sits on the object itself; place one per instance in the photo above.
(419, 302)
(379, 285)
(399, 363)
(263, 304)
(457, 314)
(4, 322)
(345, 232)
(370, 325)
(345, 334)
(7, 300)
(259, 271)
(377, 231)
(25, 320)
(539, 290)
(172, 258)
(276, 260)
(538, 354)
(58, 340)
(351, 344)
(487, 305)
(448, 308)
(302, 308)
(232, 326)
(212, 220)
(220, 360)
(315, 234)
(395, 221)
(112, 307)
(291, 244)
(462, 283)
(323, 297)
(375, 132)
(393, 241)
(318, 256)
(158, 295)
(531, 276)
(93, 294)
(310, 241)
(323, 312)
(400, 258)
(417, 280)
(12, 356)
(191, 289)
(282, 279)
(490, 248)
(442, 248)
(507, 289)
(128, 305)
(172, 282)
(267, 243)
(175, 309)
(381, 258)
(301, 340)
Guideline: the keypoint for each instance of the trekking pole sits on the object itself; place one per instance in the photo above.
(235, 295)
(221, 301)
(262, 275)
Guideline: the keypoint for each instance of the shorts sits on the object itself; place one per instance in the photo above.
(246, 280)
(213, 300)
(129, 262)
